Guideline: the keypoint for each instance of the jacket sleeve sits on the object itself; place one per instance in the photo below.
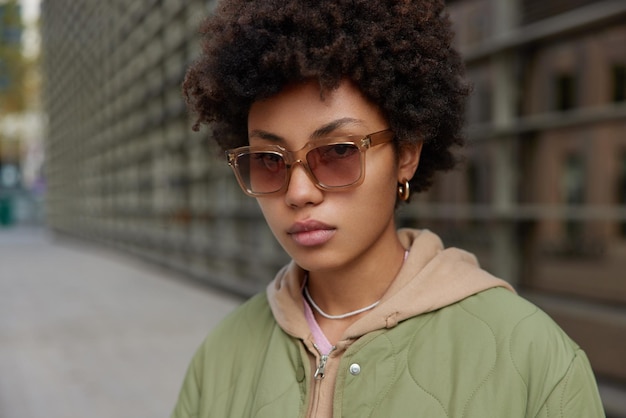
(576, 394)
(188, 404)
(228, 356)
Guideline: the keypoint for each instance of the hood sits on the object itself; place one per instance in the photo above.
(431, 278)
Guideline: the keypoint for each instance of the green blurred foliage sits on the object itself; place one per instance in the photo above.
(13, 65)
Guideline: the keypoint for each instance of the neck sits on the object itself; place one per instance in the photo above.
(358, 285)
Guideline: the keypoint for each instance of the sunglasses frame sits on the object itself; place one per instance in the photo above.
(292, 158)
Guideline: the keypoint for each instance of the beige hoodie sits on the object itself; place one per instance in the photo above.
(431, 277)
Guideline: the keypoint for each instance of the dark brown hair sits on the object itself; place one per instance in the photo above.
(398, 52)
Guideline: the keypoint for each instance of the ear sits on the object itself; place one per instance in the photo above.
(409, 158)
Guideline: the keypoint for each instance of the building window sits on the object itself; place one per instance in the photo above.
(479, 106)
(477, 182)
(472, 182)
(619, 83)
(621, 192)
(573, 180)
(573, 192)
(565, 92)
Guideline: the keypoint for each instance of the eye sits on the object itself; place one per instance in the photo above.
(269, 161)
(337, 151)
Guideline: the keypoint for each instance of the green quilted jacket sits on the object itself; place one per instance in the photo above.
(487, 354)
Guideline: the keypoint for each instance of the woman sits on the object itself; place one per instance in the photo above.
(331, 114)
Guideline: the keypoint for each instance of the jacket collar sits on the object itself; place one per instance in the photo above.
(431, 278)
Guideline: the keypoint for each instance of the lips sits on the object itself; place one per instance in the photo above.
(311, 233)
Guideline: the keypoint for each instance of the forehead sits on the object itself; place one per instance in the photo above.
(301, 112)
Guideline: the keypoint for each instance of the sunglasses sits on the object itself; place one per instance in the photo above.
(335, 163)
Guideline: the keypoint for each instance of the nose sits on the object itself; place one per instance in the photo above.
(301, 190)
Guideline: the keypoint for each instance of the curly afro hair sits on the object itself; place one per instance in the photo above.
(398, 52)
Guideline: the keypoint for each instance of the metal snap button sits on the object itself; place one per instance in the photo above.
(355, 369)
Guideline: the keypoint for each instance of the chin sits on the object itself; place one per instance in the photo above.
(318, 262)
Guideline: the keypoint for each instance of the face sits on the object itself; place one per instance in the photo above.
(321, 229)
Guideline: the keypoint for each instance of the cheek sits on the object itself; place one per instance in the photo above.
(382, 196)
(374, 201)
(381, 180)
(269, 210)
(273, 210)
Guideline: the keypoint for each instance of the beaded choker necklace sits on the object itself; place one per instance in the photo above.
(342, 316)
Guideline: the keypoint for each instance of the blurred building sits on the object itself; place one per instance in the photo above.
(546, 173)
(541, 197)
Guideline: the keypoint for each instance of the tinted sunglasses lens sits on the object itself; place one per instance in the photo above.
(335, 165)
(262, 172)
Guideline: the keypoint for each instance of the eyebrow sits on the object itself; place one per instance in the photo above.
(321, 132)
(334, 125)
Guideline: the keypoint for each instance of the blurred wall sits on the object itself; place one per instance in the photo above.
(123, 164)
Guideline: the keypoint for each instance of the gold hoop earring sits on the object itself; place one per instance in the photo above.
(404, 190)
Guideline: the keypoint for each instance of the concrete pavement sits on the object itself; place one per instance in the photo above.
(88, 332)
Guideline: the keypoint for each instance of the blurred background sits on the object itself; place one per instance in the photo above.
(95, 144)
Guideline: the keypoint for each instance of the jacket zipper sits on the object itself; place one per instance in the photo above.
(320, 372)
(319, 375)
